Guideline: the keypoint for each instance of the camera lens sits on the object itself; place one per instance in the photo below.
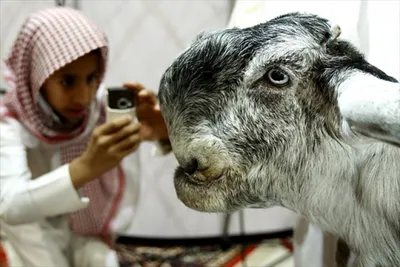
(123, 103)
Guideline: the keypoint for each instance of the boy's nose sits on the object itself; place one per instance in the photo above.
(83, 95)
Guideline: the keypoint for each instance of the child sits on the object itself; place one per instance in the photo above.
(60, 173)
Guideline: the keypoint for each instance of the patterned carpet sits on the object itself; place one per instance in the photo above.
(275, 252)
(264, 253)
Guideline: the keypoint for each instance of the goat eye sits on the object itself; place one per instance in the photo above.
(277, 77)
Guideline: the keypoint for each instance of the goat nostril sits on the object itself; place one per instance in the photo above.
(191, 167)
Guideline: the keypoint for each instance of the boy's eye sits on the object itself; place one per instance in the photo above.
(67, 81)
(92, 78)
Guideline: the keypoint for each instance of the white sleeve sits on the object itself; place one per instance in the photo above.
(23, 200)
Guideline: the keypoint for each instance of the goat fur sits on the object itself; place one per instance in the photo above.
(286, 113)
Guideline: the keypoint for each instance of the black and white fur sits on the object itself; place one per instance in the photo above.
(285, 113)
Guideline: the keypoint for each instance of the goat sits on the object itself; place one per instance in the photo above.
(286, 113)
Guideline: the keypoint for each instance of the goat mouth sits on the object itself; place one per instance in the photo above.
(201, 195)
(216, 195)
(199, 177)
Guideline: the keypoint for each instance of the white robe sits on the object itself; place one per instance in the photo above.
(36, 193)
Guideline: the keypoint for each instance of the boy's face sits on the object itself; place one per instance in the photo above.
(71, 89)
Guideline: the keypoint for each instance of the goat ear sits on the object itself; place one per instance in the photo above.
(333, 36)
(371, 107)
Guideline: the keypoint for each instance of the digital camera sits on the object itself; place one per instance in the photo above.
(120, 102)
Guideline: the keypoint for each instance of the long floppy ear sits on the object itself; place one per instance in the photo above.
(371, 107)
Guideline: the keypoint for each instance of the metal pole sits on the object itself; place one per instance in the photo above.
(60, 2)
(76, 4)
(225, 231)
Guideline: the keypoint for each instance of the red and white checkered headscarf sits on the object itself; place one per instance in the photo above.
(49, 40)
